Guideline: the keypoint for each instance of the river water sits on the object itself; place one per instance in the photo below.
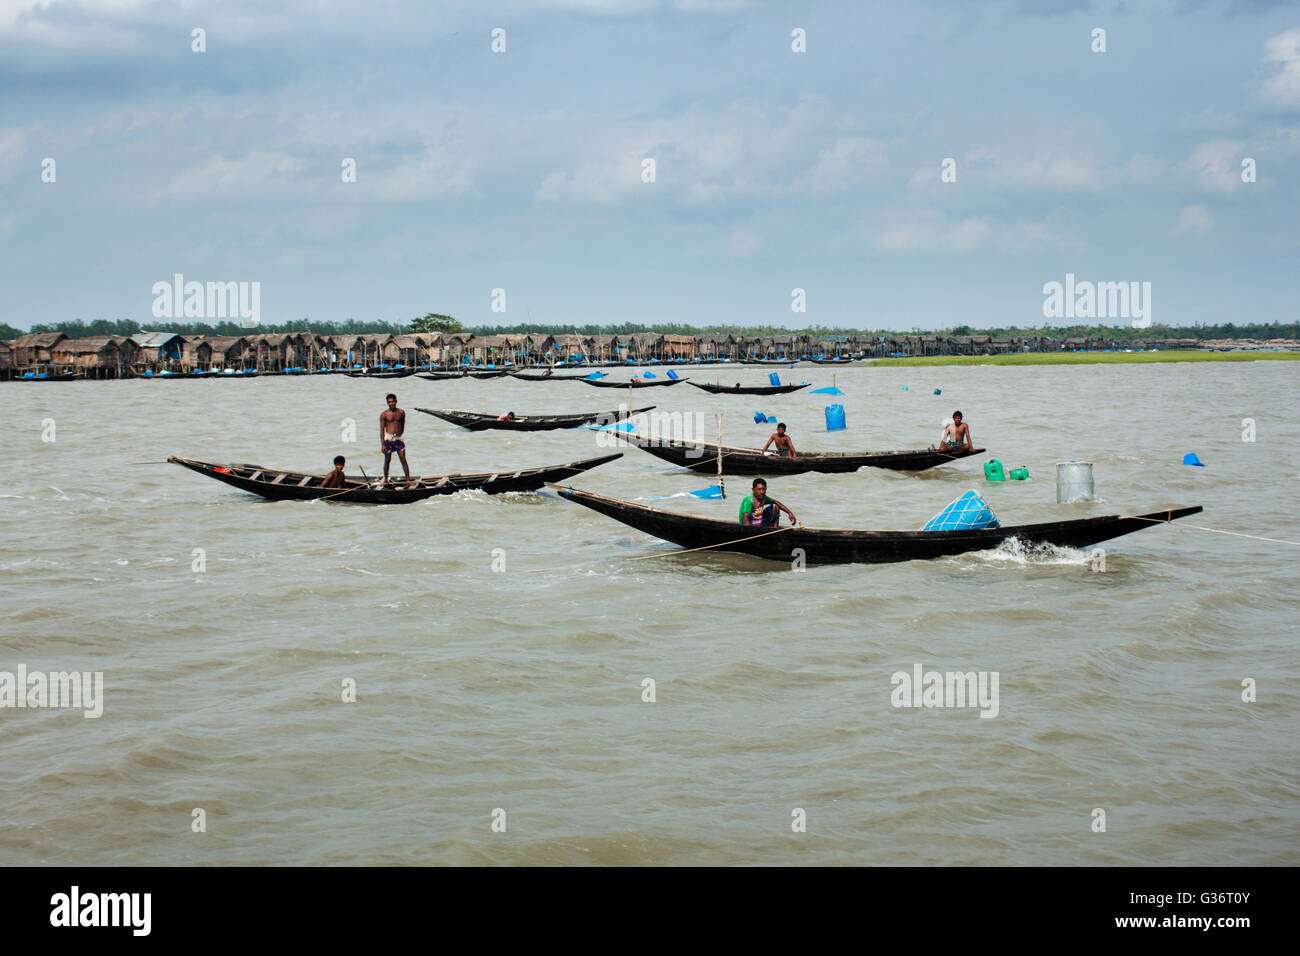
(499, 645)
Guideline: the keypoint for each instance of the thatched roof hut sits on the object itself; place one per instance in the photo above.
(228, 349)
(36, 348)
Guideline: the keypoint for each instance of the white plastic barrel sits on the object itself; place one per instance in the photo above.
(1073, 481)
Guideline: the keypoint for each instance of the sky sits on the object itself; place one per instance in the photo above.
(774, 170)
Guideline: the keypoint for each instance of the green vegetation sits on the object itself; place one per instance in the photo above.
(439, 322)
(1090, 358)
(436, 322)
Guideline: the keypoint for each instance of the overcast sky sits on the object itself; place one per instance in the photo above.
(775, 170)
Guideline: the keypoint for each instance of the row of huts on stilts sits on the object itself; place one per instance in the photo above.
(150, 353)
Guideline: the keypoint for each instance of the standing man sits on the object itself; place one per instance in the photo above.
(392, 423)
(784, 446)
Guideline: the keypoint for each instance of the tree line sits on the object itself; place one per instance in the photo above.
(438, 322)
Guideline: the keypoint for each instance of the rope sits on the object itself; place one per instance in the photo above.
(1197, 527)
(665, 554)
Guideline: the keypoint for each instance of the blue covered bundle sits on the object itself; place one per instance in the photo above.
(969, 512)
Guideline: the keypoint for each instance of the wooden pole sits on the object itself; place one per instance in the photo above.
(721, 485)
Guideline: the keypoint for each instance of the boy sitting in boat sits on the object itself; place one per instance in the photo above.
(335, 478)
(760, 511)
(784, 446)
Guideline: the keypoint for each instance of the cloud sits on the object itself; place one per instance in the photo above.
(1215, 165)
(1283, 87)
(1196, 221)
(932, 232)
(929, 232)
(849, 163)
(711, 156)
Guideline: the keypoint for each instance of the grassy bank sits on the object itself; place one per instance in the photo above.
(1090, 358)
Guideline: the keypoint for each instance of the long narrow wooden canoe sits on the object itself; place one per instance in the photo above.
(543, 377)
(476, 421)
(383, 373)
(824, 545)
(749, 389)
(703, 456)
(280, 485)
(601, 383)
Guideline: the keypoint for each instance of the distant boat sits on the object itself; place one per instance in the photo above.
(476, 421)
(703, 456)
(749, 389)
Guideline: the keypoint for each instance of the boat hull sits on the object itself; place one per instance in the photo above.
(603, 384)
(477, 422)
(750, 389)
(703, 456)
(279, 485)
(826, 546)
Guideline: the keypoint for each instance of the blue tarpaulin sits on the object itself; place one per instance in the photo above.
(968, 511)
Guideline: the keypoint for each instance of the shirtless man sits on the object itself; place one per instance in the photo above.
(335, 478)
(784, 446)
(391, 425)
(956, 437)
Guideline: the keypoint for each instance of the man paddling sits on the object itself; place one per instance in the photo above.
(956, 437)
(392, 423)
(760, 511)
(335, 478)
(784, 446)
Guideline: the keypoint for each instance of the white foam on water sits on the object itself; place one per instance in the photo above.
(1017, 552)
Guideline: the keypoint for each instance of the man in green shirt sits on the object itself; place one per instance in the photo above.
(760, 511)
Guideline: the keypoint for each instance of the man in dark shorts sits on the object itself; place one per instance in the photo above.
(956, 437)
(784, 446)
(392, 423)
(335, 478)
(760, 511)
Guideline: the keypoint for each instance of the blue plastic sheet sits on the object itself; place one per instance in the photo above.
(968, 511)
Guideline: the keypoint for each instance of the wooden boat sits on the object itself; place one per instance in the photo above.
(601, 383)
(540, 377)
(279, 485)
(838, 361)
(476, 422)
(703, 456)
(443, 376)
(823, 545)
(749, 389)
(49, 377)
(383, 373)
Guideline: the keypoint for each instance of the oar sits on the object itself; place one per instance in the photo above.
(148, 462)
